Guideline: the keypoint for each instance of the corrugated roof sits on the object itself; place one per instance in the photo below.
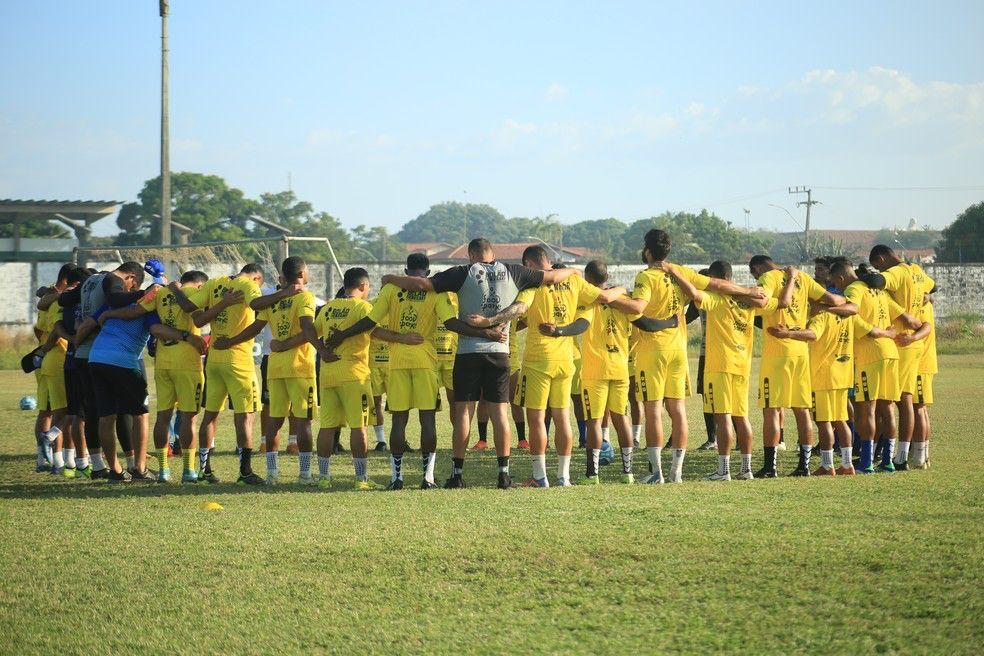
(17, 201)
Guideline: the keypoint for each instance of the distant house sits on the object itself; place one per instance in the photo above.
(428, 248)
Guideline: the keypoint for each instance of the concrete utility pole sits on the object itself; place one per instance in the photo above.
(165, 135)
(809, 202)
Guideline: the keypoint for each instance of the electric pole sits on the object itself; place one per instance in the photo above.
(809, 202)
(165, 135)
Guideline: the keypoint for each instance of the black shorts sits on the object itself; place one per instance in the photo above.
(74, 385)
(700, 375)
(481, 376)
(264, 390)
(118, 390)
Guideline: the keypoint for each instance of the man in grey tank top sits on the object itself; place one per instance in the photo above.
(485, 287)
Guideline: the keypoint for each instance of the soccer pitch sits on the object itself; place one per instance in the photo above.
(869, 564)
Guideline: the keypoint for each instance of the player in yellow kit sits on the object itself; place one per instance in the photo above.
(411, 318)
(548, 361)
(907, 284)
(730, 328)
(378, 372)
(178, 374)
(445, 346)
(290, 367)
(229, 370)
(346, 387)
(517, 326)
(52, 393)
(928, 368)
(784, 376)
(662, 376)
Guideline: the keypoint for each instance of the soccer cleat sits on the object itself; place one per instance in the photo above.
(69, 472)
(209, 477)
(408, 449)
(380, 447)
(870, 469)
(324, 482)
(306, 480)
(480, 445)
(364, 485)
(590, 480)
(292, 450)
(627, 479)
(563, 482)
(746, 475)
(654, 479)
(119, 477)
(338, 447)
(189, 476)
(272, 477)
(607, 454)
(84, 472)
(142, 476)
(717, 476)
(676, 477)
(766, 473)
(922, 466)
(428, 485)
(252, 478)
(886, 468)
(537, 482)
(902, 466)
(42, 468)
(523, 444)
(505, 481)
(823, 471)
(164, 476)
(801, 470)
(99, 474)
(845, 471)
(454, 483)
(57, 471)
(708, 445)
(396, 484)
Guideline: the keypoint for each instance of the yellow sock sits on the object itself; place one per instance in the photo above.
(162, 456)
(188, 455)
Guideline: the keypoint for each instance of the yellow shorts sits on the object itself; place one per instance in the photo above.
(51, 392)
(785, 383)
(924, 389)
(544, 384)
(515, 362)
(347, 404)
(599, 396)
(409, 389)
(379, 376)
(662, 374)
(238, 383)
(576, 379)
(294, 396)
(830, 405)
(179, 387)
(909, 360)
(445, 373)
(725, 394)
(877, 381)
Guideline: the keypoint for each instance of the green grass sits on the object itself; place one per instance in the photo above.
(877, 564)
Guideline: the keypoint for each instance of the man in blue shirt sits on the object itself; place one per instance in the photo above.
(118, 379)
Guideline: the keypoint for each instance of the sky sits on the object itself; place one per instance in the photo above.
(587, 110)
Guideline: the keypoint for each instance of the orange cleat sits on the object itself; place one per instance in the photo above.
(845, 471)
(823, 471)
(480, 445)
(523, 444)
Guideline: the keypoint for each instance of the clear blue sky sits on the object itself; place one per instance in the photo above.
(586, 110)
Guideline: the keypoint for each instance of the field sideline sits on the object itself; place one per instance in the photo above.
(873, 564)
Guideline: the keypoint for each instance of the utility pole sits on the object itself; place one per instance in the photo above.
(747, 212)
(165, 135)
(809, 202)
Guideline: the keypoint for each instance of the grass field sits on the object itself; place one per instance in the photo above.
(876, 564)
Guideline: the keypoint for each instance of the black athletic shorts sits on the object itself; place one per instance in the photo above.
(74, 384)
(264, 390)
(118, 390)
(481, 376)
(700, 375)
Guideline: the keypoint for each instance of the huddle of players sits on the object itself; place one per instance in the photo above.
(816, 344)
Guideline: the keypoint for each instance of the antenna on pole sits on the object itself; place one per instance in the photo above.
(809, 202)
(165, 134)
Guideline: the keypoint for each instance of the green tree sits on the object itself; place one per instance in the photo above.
(35, 228)
(903, 239)
(204, 203)
(455, 223)
(378, 243)
(299, 217)
(697, 238)
(963, 240)
(605, 236)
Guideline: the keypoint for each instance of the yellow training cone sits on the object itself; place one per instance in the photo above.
(211, 505)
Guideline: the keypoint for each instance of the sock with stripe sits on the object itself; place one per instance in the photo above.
(591, 462)
(272, 464)
(324, 466)
(304, 461)
(361, 469)
(428, 460)
(188, 458)
(396, 467)
(626, 453)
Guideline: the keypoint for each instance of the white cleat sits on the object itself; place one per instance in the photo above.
(716, 476)
(781, 446)
(654, 479)
(563, 482)
(746, 475)
(306, 480)
(273, 477)
(676, 477)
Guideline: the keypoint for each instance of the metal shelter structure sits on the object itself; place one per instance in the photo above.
(77, 215)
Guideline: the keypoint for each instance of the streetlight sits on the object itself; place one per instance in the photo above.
(369, 253)
(788, 213)
(556, 254)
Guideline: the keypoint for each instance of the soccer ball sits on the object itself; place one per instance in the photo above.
(28, 403)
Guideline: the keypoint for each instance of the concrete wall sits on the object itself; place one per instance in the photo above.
(961, 287)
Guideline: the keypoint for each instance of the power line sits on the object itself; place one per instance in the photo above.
(964, 188)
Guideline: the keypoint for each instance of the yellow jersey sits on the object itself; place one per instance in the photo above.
(876, 308)
(173, 355)
(908, 285)
(832, 353)
(794, 317)
(605, 347)
(730, 331)
(664, 298)
(54, 360)
(284, 318)
(557, 304)
(928, 364)
(232, 320)
(446, 341)
(408, 312)
(353, 365)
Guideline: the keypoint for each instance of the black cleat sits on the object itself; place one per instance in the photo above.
(100, 473)
(119, 477)
(505, 481)
(142, 476)
(408, 449)
(427, 485)
(208, 477)
(251, 478)
(380, 446)
(395, 484)
(454, 483)
(339, 448)
(801, 470)
(902, 466)
(766, 473)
